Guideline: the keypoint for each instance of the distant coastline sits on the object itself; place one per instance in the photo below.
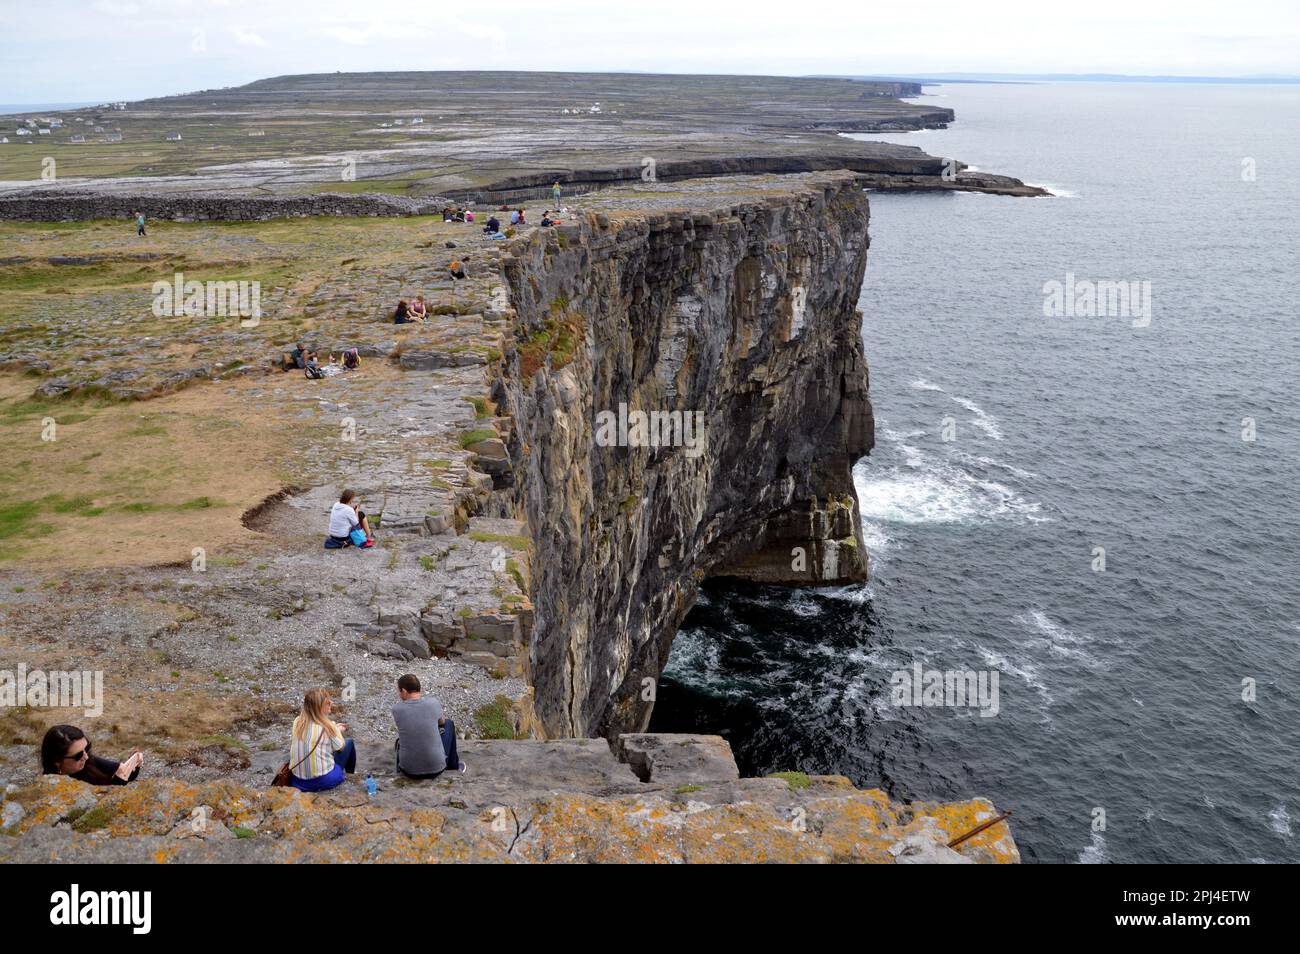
(926, 78)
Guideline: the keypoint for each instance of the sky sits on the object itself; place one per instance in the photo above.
(57, 51)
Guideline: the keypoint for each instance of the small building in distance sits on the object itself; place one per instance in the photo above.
(111, 137)
(43, 131)
(23, 132)
(173, 137)
(257, 132)
(77, 138)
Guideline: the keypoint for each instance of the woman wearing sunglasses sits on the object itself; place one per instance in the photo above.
(66, 751)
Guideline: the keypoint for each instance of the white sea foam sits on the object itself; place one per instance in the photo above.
(1094, 853)
(921, 384)
(1059, 192)
(1280, 821)
(985, 421)
(1023, 670)
(974, 459)
(1060, 641)
(802, 603)
(936, 492)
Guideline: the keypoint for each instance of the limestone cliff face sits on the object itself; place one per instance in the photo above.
(739, 313)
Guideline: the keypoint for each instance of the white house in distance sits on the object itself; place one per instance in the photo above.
(111, 137)
(77, 138)
(56, 123)
(23, 132)
(257, 132)
(418, 120)
(42, 131)
(3, 140)
(173, 137)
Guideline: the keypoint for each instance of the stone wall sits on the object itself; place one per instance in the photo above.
(81, 205)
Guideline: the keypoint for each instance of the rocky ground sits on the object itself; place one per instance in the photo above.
(648, 799)
(482, 137)
(208, 633)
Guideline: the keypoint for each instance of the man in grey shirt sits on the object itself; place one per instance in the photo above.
(426, 740)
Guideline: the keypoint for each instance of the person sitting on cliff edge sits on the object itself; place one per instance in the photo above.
(65, 750)
(426, 739)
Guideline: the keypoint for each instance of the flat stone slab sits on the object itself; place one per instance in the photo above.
(678, 758)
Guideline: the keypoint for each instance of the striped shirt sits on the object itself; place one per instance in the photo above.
(321, 761)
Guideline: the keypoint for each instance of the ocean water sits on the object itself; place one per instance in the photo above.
(1121, 732)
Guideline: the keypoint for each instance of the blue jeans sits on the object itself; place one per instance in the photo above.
(345, 760)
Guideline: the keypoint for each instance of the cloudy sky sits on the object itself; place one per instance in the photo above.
(74, 50)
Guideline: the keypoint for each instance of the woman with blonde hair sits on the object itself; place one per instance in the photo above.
(318, 753)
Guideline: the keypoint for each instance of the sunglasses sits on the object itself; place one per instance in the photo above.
(80, 756)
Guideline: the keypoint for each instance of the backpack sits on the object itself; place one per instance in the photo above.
(312, 371)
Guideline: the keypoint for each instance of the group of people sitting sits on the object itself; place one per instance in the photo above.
(412, 312)
(319, 755)
(516, 216)
(308, 362)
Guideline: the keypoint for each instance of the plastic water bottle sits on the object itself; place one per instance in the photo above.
(371, 787)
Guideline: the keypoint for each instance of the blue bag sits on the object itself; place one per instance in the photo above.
(357, 536)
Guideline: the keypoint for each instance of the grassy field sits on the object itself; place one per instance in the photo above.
(147, 479)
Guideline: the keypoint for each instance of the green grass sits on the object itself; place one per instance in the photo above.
(683, 789)
(796, 780)
(493, 719)
(482, 407)
(239, 831)
(18, 520)
(516, 572)
(478, 434)
(92, 820)
(514, 541)
(427, 563)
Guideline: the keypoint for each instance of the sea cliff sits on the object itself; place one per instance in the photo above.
(740, 311)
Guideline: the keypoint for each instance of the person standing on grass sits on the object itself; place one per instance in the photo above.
(426, 739)
(318, 754)
(555, 192)
(139, 223)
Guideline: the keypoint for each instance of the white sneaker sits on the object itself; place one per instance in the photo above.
(462, 768)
